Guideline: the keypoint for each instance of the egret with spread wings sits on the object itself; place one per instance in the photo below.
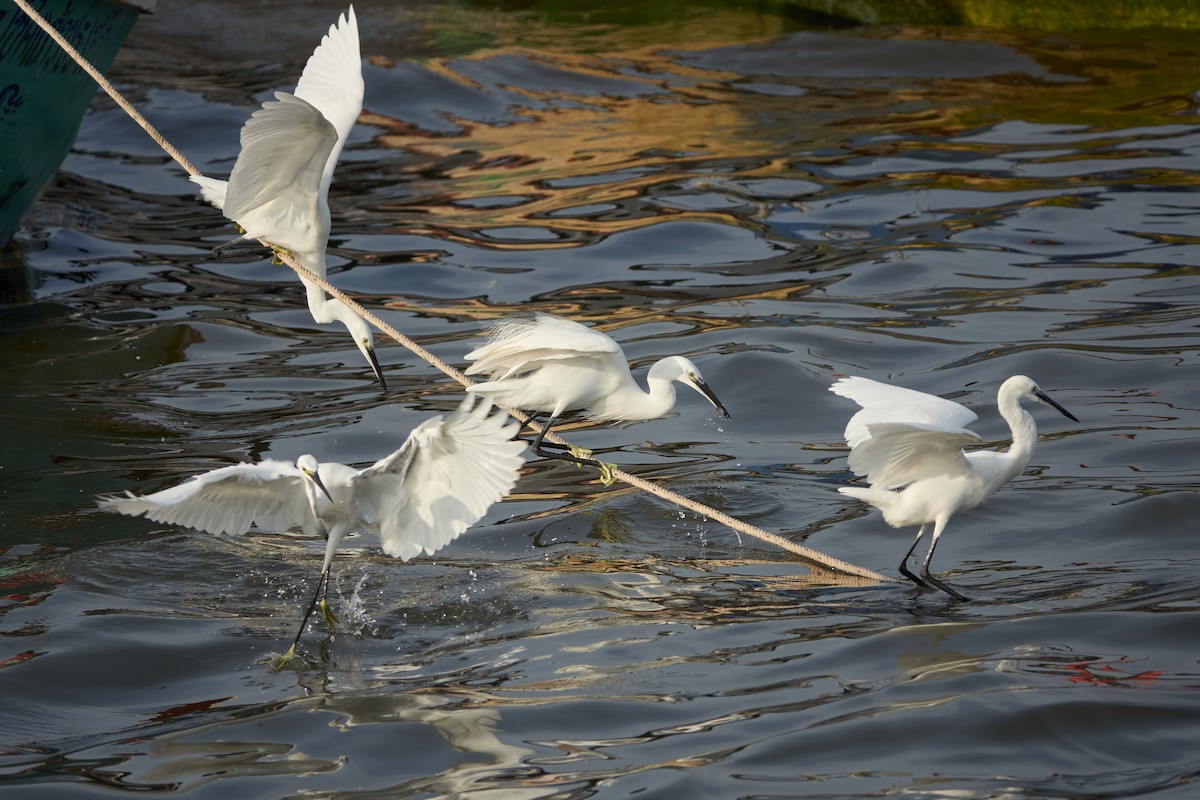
(278, 191)
(441, 481)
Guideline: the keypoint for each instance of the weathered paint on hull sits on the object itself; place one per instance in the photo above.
(44, 94)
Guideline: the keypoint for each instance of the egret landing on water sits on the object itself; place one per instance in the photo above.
(909, 444)
(441, 481)
(279, 188)
(550, 364)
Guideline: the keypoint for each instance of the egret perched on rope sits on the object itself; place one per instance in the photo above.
(441, 481)
(279, 188)
(908, 445)
(551, 364)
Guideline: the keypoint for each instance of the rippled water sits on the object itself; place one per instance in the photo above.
(938, 207)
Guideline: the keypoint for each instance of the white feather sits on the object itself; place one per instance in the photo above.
(437, 484)
(548, 363)
(332, 82)
(909, 446)
(227, 500)
(883, 403)
(272, 191)
(279, 188)
(449, 474)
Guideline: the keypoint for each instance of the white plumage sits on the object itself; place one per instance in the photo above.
(437, 484)
(278, 190)
(909, 447)
(550, 364)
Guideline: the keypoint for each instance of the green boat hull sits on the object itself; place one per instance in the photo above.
(44, 94)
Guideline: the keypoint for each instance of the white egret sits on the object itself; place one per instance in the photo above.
(551, 364)
(440, 482)
(279, 188)
(909, 447)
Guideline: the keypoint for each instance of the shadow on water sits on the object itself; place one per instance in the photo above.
(782, 201)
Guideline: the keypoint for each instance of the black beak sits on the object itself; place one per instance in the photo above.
(375, 368)
(1045, 398)
(711, 396)
(317, 480)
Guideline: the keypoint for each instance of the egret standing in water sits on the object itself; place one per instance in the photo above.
(550, 364)
(279, 188)
(441, 481)
(909, 447)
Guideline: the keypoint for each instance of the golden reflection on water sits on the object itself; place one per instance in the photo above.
(578, 162)
(586, 149)
(596, 28)
(592, 157)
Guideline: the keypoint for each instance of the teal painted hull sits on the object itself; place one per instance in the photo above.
(44, 94)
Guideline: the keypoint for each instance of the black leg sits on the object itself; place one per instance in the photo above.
(932, 581)
(237, 247)
(538, 449)
(329, 618)
(544, 445)
(521, 427)
(944, 587)
(904, 561)
(322, 583)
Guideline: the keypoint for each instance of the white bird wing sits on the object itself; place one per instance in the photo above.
(284, 148)
(519, 345)
(226, 500)
(211, 189)
(443, 478)
(896, 453)
(884, 403)
(333, 83)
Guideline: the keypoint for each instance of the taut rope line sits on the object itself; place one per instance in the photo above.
(806, 553)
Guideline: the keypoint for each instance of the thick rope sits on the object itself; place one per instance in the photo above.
(806, 553)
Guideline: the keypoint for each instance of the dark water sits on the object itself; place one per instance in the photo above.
(939, 207)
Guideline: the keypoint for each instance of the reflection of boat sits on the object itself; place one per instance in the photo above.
(44, 94)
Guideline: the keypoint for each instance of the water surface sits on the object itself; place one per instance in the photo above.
(939, 207)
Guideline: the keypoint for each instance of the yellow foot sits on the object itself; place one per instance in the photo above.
(330, 619)
(282, 661)
(581, 452)
(606, 473)
(279, 252)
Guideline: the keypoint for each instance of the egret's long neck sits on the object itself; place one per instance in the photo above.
(324, 223)
(1024, 432)
(631, 402)
(335, 517)
(318, 303)
(335, 536)
(659, 400)
(318, 505)
(315, 261)
(325, 309)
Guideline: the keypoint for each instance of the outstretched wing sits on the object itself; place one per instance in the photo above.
(895, 453)
(332, 82)
(226, 500)
(519, 345)
(443, 478)
(883, 403)
(285, 145)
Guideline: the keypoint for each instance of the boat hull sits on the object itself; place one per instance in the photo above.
(44, 93)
